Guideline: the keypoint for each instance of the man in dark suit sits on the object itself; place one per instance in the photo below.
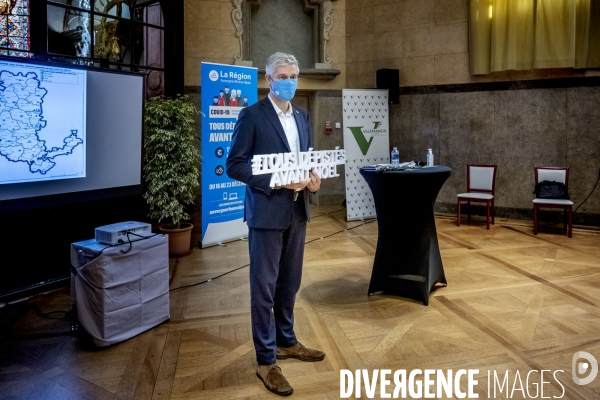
(276, 219)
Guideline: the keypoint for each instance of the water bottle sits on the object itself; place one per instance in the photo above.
(395, 157)
(429, 158)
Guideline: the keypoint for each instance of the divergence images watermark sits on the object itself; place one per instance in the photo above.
(431, 383)
(581, 367)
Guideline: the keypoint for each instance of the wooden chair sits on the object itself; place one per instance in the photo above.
(481, 186)
(557, 174)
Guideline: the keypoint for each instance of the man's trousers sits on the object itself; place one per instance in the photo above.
(275, 275)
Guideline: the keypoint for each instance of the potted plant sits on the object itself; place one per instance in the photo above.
(171, 161)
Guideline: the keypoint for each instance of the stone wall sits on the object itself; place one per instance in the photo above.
(427, 40)
(500, 118)
(328, 108)
(515, 129)
(210, 37)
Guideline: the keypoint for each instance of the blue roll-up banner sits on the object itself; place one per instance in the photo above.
(226, 89)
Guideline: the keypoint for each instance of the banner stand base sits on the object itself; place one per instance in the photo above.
(222, 243)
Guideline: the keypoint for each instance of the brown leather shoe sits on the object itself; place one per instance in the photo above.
(300, 352)
(274, 380)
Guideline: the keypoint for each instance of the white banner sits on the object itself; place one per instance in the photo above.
(367, 142)
(286, 168)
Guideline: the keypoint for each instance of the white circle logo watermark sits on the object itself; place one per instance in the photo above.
(213, 75)
(590, 365)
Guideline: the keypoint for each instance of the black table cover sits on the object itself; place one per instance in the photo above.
(407, 261)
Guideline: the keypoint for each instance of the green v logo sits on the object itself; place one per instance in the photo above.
(360, 139)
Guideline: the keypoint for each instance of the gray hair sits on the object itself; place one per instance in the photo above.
(277, 59)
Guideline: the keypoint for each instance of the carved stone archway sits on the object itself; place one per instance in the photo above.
(322, 11)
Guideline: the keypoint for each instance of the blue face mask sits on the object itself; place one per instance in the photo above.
(284, 89)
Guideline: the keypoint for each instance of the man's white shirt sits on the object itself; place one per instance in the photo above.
(288, 122)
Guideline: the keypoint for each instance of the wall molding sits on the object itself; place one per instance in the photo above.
(555, 83)
(236, 17)
(322, 11)
(328, 92)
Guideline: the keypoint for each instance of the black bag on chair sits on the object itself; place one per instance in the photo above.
(551, 190)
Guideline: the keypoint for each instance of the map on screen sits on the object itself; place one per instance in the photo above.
(42, 123)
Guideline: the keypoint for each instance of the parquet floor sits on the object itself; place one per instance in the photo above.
(514, 302)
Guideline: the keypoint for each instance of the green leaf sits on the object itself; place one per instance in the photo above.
(171, 157)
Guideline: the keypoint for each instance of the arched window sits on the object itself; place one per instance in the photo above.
(120, 34)
(128, 35)
(14, 28)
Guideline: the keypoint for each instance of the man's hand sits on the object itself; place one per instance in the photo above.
(315, 181)
(300, 185)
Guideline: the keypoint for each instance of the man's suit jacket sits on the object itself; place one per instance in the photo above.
(259, 131)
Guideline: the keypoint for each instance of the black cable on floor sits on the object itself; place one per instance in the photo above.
(597, 180)
(69, 315)
(208, 280)
(321, 238)
(322, 215)
(244, 266)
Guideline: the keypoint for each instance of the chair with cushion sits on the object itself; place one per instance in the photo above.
(481, 185)
(553, 174)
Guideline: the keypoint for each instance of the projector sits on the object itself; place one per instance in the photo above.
(117, 233)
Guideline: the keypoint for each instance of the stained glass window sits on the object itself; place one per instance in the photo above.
(14, 28)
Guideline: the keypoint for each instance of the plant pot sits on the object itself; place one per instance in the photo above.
(179, 238)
